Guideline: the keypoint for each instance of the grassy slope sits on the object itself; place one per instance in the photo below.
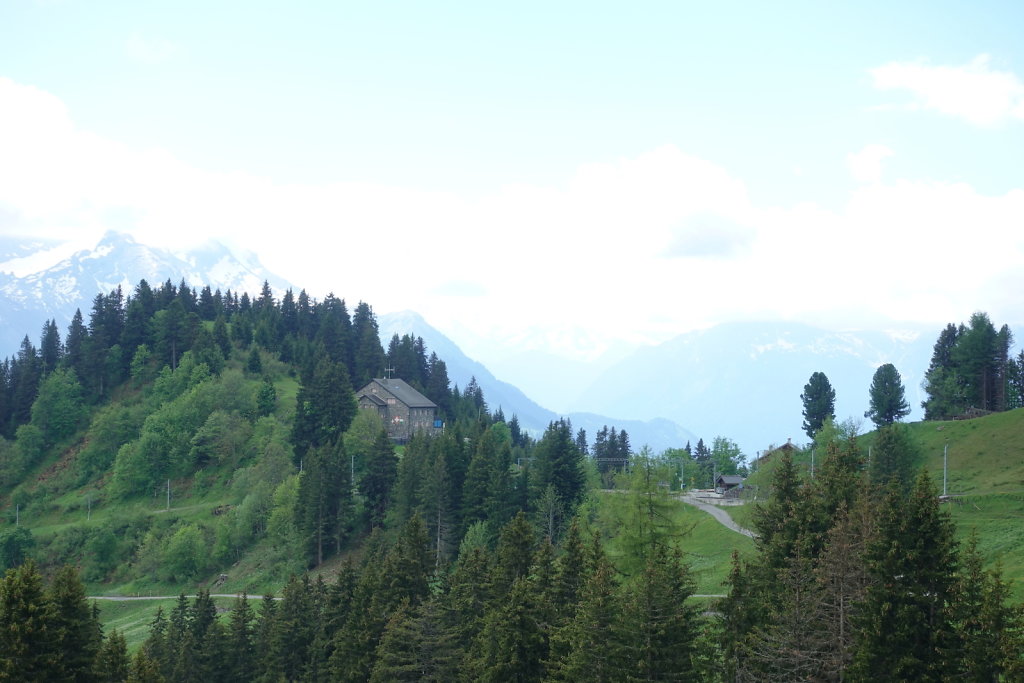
(706, 544)
(985, 479)
(132, 618)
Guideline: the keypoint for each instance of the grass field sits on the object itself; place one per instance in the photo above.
(707, 545)
(133, 617)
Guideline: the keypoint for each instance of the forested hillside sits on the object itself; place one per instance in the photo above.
(203, 442)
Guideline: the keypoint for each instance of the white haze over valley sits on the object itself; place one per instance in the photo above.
(553, 188)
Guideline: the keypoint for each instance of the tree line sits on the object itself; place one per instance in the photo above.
(859, 577)
(971, 368)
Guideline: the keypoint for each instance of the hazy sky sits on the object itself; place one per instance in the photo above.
(634, 170)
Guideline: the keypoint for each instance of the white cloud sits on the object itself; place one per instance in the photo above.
(866, 165)
(975, 91)
(589, 252)
(149, 50)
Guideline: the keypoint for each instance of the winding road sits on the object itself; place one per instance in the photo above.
(718, 513)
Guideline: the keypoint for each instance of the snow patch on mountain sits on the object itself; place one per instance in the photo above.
(29, 299)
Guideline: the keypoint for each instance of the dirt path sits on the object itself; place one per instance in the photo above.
(126, 598)
(718, 513)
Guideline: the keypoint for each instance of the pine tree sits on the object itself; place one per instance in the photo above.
(892, 456)
(989, 636)
(112, 662)
(417, 646)
(942, 381)
(28, 647)
(512, 645)
(293, 632)
(144, 669)
(513, 555)
(221, 337)
(657, 630)
(558, 462)
(381, 473)
(906, 631)
(50, 348)
(438, 508)
(240, 663)
(819, 399)
(779, 521)
(369, 355)
(587, 648)
(325, 406)
(888, 403)
(73, 625)
(788, 645)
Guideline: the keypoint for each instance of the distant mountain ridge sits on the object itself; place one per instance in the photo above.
(657, 433)
(738, 380)
(117, 260)
(744, 380)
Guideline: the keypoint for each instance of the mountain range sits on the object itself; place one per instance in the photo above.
(28, 301)
(740, 380)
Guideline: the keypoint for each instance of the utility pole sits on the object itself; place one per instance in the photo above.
(812, 463)
(168, 494)
(945, 460)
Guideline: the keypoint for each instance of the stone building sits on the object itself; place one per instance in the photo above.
(404, 410)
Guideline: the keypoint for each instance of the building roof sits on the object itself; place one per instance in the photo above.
(373, 398)
(403, 392)
(734, 479)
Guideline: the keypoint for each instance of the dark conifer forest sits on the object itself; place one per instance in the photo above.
(475, 552)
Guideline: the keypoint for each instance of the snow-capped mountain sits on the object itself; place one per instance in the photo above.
(27, 302)
(657, 433)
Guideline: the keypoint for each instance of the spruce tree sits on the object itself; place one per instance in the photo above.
(906, 632)
(417, 645)
(74, 625)
(657, 629)
(586, 647)
(29, 650)
(512, 645)
(381, 473)
(325, 406)
(112, 662)
(989, 637)
(240, 663)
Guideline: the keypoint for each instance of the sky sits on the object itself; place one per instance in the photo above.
(592, 172)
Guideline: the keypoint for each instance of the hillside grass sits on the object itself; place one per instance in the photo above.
(707, 546)
(132, 618)
(984, 481)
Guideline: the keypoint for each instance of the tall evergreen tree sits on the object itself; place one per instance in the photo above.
(112, 661)
(888, 403)
(559, 463)
(50, 349)
(381, 473)
(74, 626)
(325, 406)
(368, 358)
(906, 629)
(819, 399)
(28, 646)
(657, 630)
(942, 383)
